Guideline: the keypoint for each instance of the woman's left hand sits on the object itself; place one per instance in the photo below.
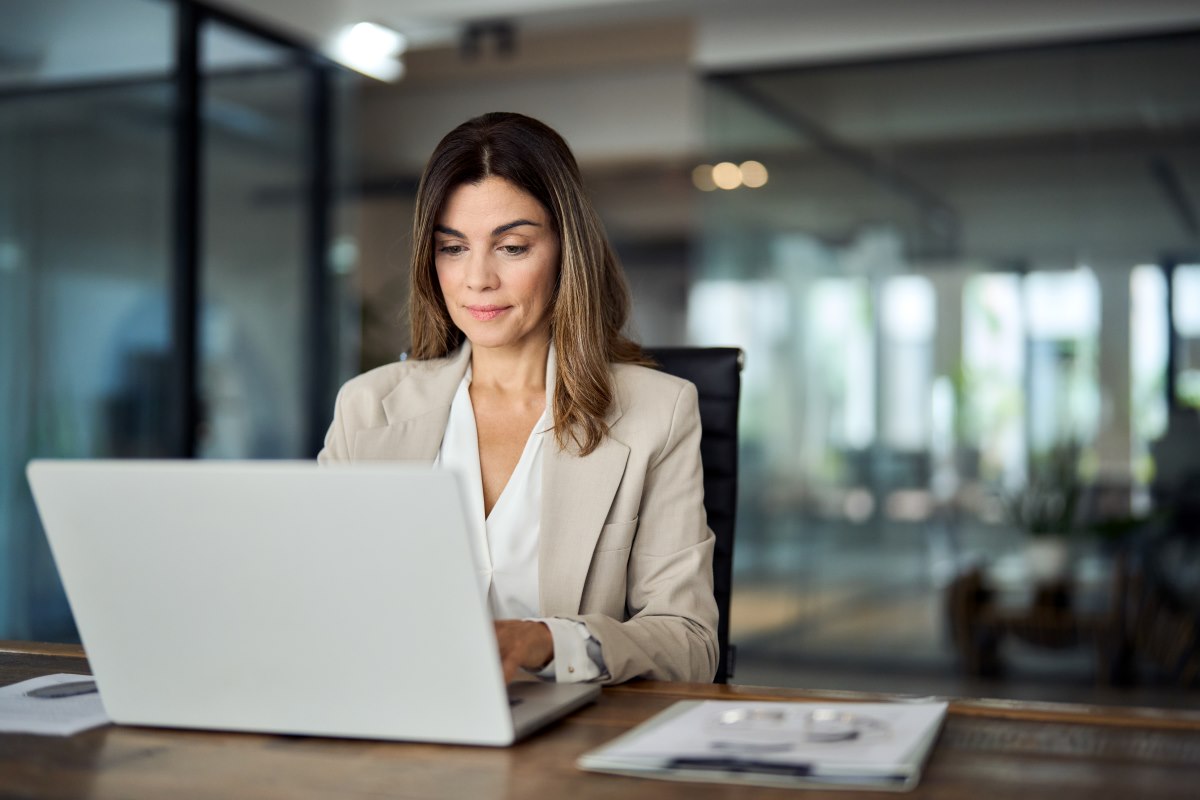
(523, 645)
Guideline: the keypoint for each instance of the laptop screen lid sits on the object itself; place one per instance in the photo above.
(277, 596)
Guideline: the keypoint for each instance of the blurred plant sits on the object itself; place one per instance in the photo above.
(1115, 530)
(1187, 388)
(1047, 504)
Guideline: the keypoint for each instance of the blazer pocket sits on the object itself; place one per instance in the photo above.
(604, 590)
(617, 536)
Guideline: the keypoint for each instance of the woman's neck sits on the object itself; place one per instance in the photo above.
(520, 369)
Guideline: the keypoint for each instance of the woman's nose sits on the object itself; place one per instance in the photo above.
(481, 272)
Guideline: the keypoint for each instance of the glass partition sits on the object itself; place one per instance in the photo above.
(947, 243)
(254, 275)
(91, 271)
(85, 199)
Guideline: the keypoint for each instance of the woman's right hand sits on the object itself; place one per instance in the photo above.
(524, 644)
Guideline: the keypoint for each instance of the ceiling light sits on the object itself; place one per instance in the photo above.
(754, 174)
(702, 178)
(727, 175)
(371, 49)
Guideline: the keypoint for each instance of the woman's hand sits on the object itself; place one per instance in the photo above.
(523, 645)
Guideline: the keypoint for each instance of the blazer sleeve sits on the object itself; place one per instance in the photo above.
(671, 629)
(337, 447)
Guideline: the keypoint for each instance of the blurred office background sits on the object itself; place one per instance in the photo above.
(959, 243)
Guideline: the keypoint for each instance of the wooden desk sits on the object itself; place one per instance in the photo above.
(988, 749)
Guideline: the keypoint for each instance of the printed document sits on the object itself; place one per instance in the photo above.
(52, 705)
(851, 745)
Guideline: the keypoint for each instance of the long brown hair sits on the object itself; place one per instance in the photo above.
(591, 298)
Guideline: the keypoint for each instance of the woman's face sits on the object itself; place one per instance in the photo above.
(497, 259)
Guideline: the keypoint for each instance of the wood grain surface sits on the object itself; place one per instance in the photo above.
(987, 749)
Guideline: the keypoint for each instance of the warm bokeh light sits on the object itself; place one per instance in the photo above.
(727, 175)
(754, 174)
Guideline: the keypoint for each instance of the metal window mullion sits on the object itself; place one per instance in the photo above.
(187, 226)
(317, 333)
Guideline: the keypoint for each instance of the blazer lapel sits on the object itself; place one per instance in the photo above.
(416, 411)
(577, 493)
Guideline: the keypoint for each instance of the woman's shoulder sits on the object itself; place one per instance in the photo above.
(655, 408)
(380, 381)
(645, 386)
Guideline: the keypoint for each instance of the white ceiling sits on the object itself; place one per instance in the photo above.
(622, 80)
(64, 40)
(732, 34)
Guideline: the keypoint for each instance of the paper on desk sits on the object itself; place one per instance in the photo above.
(698, 733)
(60, 716)
(692, 741)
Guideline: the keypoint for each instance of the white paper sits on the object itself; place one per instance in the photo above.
(889, 739)
(58, 716)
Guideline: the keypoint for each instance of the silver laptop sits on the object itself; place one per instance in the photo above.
(285, 598)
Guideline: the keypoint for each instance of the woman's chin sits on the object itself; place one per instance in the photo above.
(499, 340)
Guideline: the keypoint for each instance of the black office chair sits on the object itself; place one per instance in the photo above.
(716, 371)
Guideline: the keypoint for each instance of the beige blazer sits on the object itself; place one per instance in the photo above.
(624, 547)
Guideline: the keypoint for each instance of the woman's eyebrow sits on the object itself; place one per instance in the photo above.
(514, 224)
(508, 226)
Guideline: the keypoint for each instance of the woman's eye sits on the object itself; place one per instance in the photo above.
(513, 249)
(451, 249)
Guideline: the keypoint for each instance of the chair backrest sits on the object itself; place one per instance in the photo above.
(716, 372)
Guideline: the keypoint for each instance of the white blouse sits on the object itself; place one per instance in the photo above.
(505, 543)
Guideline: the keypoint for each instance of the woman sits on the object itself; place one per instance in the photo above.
(585, 491)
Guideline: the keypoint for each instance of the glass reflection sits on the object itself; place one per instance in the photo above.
(254, 270)
(84, 265)
(953, 243)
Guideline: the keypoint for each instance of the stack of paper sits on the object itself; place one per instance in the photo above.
(851, 745)
(52, 705)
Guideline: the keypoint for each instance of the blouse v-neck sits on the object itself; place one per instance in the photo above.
(505, 542)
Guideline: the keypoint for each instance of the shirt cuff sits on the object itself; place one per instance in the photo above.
(576, 654)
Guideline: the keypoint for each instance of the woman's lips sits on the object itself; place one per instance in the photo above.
(485, 313)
